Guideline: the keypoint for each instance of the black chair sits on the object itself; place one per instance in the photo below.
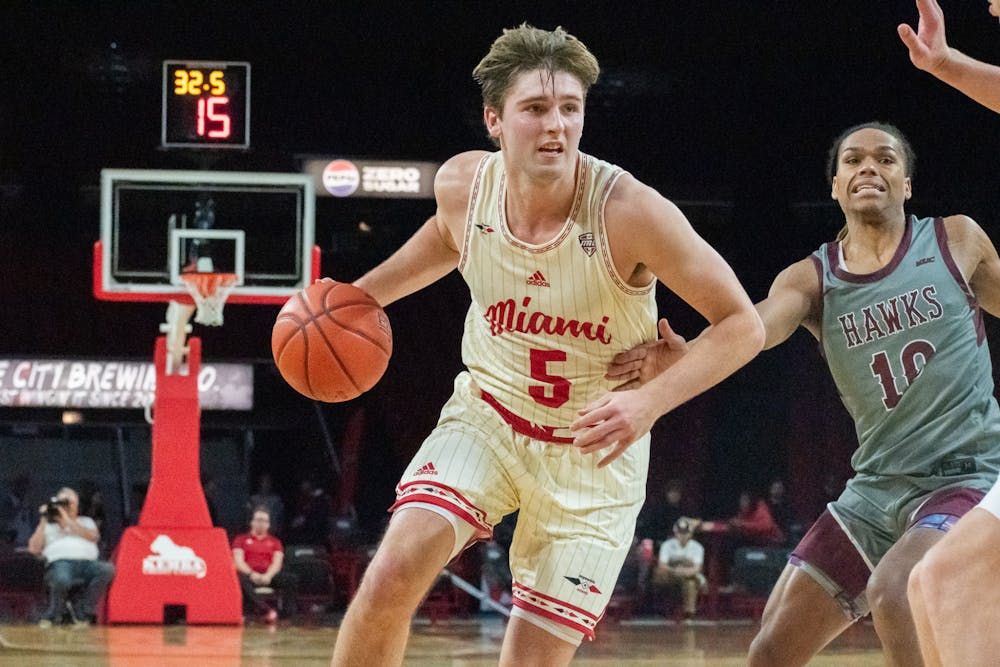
(311, 564)
(756, 569)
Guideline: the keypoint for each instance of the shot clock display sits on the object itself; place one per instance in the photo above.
(206, 104)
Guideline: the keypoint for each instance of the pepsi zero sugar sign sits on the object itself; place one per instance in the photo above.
(383, 179)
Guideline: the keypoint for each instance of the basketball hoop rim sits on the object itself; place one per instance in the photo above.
(208, 284)
(181, 296)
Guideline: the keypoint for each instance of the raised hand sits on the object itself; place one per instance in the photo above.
(928, 45)
(633, 368)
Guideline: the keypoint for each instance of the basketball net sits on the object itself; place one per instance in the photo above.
(209, 291)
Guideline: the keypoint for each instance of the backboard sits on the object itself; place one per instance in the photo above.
(157, 225)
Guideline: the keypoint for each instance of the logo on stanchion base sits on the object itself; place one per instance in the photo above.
(170, 558)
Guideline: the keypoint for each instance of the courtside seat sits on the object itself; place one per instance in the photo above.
(311, 564)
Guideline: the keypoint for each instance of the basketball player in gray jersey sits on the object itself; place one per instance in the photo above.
(895, 302)
(953, 590)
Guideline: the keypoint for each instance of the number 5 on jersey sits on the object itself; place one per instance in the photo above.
(556, 384)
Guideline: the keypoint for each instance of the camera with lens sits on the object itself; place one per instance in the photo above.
(52, 508)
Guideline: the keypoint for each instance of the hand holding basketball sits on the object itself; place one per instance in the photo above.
(331, 341)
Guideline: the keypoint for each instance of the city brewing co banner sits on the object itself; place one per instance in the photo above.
(61, 383)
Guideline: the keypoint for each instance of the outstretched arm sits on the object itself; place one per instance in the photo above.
(792, 301)
(426, 257)
(432, 252)
(650, 235)
(930, 52)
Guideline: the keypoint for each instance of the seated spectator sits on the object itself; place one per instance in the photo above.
(68, 542)
(311, 517)
(259, 557)
(653, 527)
(753, 523)
(679, 566)
(784, 515)
(264, 496)
(661, 511)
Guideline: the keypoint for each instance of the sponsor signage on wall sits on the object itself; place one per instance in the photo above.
(385, 179)
(61, 383)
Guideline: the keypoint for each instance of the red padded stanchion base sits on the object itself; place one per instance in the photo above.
(192, 567)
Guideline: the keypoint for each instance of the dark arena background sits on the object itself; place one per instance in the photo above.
(727, 108)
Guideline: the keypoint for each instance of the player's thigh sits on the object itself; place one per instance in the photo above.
(528, 645)
(967, 559)
(800, 618)
(409, 559)
(888, 581)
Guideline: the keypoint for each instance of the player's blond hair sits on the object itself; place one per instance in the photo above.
(526, 48)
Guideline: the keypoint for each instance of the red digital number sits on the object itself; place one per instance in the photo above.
(208, 112)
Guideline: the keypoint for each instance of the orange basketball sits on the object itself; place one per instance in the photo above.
(331, 341)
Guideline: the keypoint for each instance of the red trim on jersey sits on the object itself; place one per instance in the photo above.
(585, 626)
(523, 426)
(406, 494)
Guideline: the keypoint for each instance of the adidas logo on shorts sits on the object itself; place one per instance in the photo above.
(426, 469)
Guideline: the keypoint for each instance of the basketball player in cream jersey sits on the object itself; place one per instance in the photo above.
(895, 303)
(953, 591)
(561, 252)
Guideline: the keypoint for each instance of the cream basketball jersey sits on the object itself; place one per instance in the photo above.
(546, 319)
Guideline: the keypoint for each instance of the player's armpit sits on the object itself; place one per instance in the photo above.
(792, 301)
(985, 280)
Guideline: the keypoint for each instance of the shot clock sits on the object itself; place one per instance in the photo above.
(206, 104)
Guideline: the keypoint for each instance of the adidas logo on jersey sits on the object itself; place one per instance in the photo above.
(426, 469)
(538, 280)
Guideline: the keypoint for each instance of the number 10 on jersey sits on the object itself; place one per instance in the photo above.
(206, 104)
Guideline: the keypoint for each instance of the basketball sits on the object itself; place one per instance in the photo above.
(331, 341)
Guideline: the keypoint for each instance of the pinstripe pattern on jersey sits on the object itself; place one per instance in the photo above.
(576, 521)
(547, 318)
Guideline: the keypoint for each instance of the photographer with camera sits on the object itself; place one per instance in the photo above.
(68, 542)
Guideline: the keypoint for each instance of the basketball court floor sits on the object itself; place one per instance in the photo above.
(456, 643)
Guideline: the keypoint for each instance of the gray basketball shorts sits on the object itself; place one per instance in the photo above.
(848, 540)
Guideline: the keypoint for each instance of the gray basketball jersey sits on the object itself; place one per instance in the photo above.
(907, 349)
